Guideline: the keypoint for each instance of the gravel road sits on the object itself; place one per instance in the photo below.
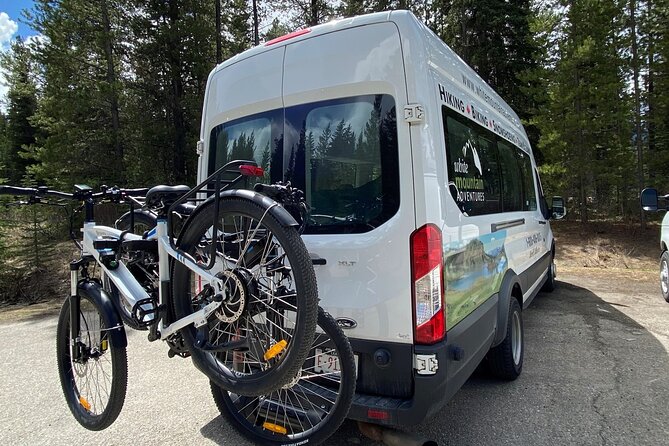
(596, 372)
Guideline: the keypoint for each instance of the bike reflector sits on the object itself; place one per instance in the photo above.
(251, 171)
(84, 403)
(275, 349)
(275, 428)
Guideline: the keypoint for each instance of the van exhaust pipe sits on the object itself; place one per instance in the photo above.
(392, 437)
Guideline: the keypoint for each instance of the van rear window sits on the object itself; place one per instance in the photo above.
(342, 153)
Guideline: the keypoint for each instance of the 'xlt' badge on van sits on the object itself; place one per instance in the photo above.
(345, 322)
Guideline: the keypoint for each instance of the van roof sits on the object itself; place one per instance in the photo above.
(440, 55)
(334, 25)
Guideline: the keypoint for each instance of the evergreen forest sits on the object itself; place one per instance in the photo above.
(111, 91)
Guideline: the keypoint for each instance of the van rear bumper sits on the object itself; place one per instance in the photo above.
(466, 344)
(430, 393)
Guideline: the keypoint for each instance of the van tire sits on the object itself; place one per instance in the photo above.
(504, 364)
(664, 275)
(549, 284)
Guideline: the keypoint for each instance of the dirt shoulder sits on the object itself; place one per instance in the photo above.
(605, 252)
(609, 246)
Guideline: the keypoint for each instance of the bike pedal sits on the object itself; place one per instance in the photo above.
(145, 312)
(177, 347)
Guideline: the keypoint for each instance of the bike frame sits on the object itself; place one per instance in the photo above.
(133, 291)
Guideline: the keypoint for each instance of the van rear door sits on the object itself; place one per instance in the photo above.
(348, 146)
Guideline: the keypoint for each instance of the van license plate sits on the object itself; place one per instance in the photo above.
(327, 363)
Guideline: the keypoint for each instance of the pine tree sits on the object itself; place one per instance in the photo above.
(17, 129)
(585, 126)
(657, 89)
(171, 58)
(493, 37)
(80, 111)
(305, 13)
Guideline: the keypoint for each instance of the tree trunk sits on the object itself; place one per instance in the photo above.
(637, 105)
(650, 88)
(583, 164)
(111, 80)
(219, 44)
(256, 24)
(313, 20)
(177, 93)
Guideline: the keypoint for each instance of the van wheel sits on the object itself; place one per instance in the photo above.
(506, 360)
(549, 285)
(664, 275)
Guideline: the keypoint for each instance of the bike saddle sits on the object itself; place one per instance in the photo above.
(164, 196)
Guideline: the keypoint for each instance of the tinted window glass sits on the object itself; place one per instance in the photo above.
(529, 195)
(255, 138)
(512, 184)
(343, 154)
(473, 167)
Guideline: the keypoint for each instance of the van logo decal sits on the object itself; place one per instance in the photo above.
(345, 322)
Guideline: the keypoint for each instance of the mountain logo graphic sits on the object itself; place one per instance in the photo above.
(477, 161)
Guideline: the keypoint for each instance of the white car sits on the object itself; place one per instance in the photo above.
(651, 202)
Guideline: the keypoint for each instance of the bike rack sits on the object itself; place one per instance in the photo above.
(222, 179)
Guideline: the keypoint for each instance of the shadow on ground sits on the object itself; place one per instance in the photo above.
(592, 375)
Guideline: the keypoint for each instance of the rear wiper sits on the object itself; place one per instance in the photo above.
(320, 220)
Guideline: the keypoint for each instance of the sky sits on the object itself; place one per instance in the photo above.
(10, 21)
(11, 26)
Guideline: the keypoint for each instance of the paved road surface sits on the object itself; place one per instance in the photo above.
(596, 373)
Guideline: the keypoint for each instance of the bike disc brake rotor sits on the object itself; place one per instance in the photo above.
(236, 288)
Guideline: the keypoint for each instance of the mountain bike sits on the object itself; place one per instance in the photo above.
(312, 406)
(233, 288)
(308, 409)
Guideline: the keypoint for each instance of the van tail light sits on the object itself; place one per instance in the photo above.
(427, 266)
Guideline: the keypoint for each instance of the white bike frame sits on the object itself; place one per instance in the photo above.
(133, 291)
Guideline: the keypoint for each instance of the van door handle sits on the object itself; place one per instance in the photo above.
(506, 224)
(316, 260)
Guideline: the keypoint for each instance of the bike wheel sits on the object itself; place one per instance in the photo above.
(311, 407)
(270, 310)
(144, 221)
(95, 385)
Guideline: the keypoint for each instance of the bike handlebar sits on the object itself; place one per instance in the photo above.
(33, 192)
(112, 193)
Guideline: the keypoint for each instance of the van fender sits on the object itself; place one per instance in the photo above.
(275, 209)
(94, 291)
(510, 281)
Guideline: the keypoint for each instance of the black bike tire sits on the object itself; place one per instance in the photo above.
(141, 217)
(333, 420)
(307, 298)
(119, 377)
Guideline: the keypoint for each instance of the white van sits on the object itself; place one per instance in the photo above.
(428, 226)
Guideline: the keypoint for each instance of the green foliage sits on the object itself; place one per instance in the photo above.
(656, 33)
(113, 92)
(17, 131)
(29, 251)
(172, 54)
(585, 127)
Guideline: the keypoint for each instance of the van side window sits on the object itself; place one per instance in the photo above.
(513, 181)
(473, 168)
(529, 195)
(486, 174)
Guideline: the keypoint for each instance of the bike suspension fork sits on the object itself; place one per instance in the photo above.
(75, 351)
